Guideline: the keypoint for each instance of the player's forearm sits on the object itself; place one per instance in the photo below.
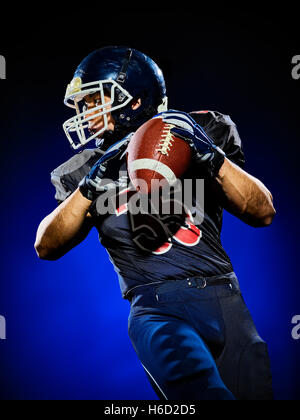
(246, 196)
(59, 229)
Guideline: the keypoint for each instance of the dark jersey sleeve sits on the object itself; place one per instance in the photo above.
(67, 176)
(222, 130)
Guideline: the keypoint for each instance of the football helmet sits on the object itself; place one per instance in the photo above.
(124, 75)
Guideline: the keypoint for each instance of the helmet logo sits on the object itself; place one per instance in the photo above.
(74, 87)
(121, 97)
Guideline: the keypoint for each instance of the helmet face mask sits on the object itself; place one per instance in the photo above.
(75, 127)
(123, 75)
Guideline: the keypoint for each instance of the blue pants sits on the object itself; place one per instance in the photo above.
(199, 343)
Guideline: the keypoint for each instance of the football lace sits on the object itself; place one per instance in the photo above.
(166, 140)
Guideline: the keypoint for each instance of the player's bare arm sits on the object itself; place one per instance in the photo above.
(64, 228)
(70, 223)
(245, 196)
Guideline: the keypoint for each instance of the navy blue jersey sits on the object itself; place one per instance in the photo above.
(194, 249)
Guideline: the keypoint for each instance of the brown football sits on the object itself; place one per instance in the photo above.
(155, 154)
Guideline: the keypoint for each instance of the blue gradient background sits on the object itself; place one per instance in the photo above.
(66, 321)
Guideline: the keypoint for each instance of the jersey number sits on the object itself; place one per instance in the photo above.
(149, 231)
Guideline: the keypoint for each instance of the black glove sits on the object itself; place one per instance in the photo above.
(206, 153)
(92, 185)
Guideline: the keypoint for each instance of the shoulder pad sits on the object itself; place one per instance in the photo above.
(207, 117)
(67, 176)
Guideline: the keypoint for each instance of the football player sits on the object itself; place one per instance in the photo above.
(188, 321)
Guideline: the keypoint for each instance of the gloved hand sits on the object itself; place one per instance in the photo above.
(92, 185)
(206, 152)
